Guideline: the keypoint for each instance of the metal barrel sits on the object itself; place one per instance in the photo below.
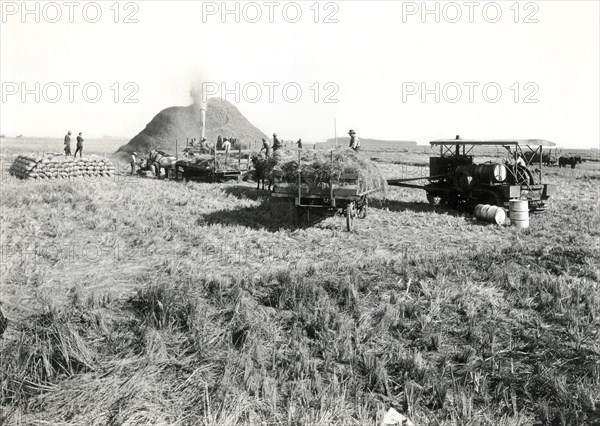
(495, 172)
(519, 213)
(489, 213)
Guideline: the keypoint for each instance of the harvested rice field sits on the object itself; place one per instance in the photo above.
(142, 301)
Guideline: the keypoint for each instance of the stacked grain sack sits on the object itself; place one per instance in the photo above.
(56, 166)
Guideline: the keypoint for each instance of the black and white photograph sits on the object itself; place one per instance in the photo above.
(313, 212)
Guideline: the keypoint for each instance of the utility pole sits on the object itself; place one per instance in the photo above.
(335, 131)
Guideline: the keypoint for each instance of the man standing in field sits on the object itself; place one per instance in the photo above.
(68, 143)
(354, 141)
(299, 143)
(79, 146)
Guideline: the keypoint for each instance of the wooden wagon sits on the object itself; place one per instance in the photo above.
(224, 166)
(342, 196)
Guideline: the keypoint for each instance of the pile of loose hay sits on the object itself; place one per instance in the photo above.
(56, 166)
(181, 123)
(318, 168)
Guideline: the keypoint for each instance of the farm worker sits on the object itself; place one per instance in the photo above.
(276, 143)
(520, 161)
(226, 145)
(79, 146)
(133, 162)
(266, 147)
(68, 143)
(219, 143)
(299, 143)
(354, 141)
(226, 148)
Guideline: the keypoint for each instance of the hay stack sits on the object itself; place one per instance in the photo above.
(181, 123)
(56, 166)
(318, 168)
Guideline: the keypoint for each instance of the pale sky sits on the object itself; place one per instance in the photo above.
(375, 55)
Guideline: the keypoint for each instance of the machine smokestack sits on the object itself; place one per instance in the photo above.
(199, 98)
(203, 120)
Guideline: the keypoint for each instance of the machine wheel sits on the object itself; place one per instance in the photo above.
(524, 176)
(350, 217)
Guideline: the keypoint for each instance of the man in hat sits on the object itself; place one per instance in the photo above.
(79, 146)
(68, 143)
(354, 141)
(299, 143)
(133, 163)
(276, 143)
(266, 147)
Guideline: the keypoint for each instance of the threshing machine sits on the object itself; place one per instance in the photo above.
(457, 181)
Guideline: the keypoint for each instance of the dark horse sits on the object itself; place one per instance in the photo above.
(261, 173)
(533, 158)
(572, 161)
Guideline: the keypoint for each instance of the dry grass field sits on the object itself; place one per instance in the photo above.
(136, 301)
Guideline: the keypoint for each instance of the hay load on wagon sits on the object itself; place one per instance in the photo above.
(57, 166)
(319, 168)
(338, 181)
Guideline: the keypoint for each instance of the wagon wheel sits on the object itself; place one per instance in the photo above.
(350, 217)
(363, 209)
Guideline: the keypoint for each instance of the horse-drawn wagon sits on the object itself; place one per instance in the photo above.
(215, 166)
(346, 194)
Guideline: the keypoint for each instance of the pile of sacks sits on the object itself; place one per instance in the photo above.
(56, 166)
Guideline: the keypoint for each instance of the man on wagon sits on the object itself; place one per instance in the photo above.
(276, 143)
(354, 141)
(226, 148)
(266, 147)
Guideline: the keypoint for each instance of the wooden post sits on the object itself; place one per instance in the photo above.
(299, 177)
(541, 155)
(240, 158)
(331, 200)
(335, 131)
